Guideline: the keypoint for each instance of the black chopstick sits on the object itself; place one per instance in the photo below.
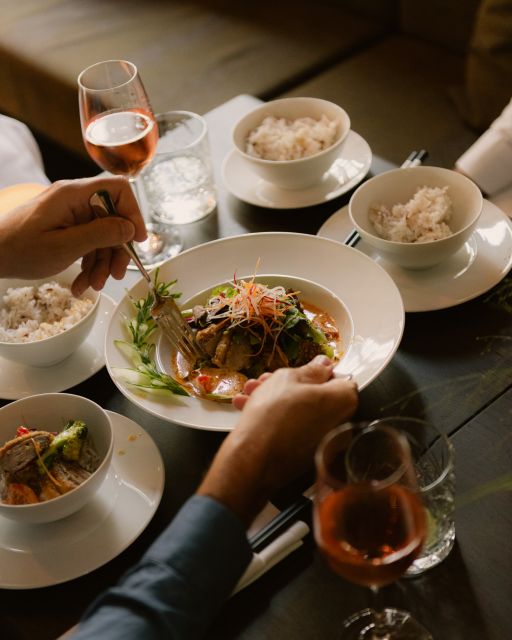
(298, 510)
(413, 160)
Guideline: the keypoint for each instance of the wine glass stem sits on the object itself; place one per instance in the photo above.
(380, 629)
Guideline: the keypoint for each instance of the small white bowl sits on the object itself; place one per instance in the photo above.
(49, 351)
(399, 186)
(303, 172)
(51, 412)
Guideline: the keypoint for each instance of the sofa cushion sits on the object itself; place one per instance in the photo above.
(488, 86)
(191, 55)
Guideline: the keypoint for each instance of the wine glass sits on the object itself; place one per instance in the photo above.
(369, 520)
(120, 134)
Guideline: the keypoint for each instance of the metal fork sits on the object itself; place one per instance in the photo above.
(164, 309)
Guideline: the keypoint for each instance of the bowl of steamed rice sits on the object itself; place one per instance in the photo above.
(416, 217)
(291, 142)
(41, 322)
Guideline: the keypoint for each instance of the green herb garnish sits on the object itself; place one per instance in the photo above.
(144, 375)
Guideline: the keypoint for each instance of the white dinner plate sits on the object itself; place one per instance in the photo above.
(482, 262)
(367, 291)
(347, 171)
(42, 555)
(18, 380)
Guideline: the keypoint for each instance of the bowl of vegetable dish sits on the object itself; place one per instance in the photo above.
(55, 451)
(250, 325)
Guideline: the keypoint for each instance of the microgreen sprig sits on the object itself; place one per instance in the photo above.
(145, 375)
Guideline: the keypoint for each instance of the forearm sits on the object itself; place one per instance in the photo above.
(179, 585)
(236, 480)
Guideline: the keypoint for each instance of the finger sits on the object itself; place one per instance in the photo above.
(239, 401)
(79, 192)
(100, 233)
(118, 263)
(264, 376)
(251, 385)
(101, 269)
(80, 284)
(82, 281)
(344, 394)
(317, 371)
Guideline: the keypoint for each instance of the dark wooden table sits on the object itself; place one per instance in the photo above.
(453, 367)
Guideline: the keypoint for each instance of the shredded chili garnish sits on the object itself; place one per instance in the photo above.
(252, 304)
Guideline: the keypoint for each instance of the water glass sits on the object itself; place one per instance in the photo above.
(433, 457)
(178, 184)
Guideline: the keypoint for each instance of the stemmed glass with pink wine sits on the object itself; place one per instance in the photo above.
(120, 134)
(369, 521)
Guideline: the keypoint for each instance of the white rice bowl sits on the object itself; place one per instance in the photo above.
(399, 186)
(36, 312)
(41, 323)
(283, 139)
(294, 141)
(423, 218)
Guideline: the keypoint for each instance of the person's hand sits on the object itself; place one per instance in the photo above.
(285, 415)
(46, 234)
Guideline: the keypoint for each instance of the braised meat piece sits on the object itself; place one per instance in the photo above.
(20, 452)
(221, 350)
(209, 337)
(68, 475)
(307, 351)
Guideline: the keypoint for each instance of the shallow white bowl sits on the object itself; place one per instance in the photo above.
(292, 174)
(398, 186)
(310, 292)
(51, 412)
(43, 353)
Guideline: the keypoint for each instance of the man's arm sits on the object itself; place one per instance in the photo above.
(182, 581)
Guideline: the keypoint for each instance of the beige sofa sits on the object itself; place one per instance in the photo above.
(398, 66)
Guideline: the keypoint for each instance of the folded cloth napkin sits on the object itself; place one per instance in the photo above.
(276, 551)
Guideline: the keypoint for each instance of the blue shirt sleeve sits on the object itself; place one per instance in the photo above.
(180, 583)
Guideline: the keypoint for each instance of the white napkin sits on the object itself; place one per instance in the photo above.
(276, 551)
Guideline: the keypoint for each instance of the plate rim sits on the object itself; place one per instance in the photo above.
(158, 490)
(153, 407)
(490, 209)
(342, 189)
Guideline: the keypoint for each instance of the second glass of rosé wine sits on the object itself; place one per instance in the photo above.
(120, 134)
(369, 521)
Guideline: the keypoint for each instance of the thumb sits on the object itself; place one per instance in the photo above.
(317, 371)
(97, 234)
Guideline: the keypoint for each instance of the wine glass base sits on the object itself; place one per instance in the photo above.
(163, 242)
(399, 625)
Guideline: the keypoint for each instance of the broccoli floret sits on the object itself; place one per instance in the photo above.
(68, 443)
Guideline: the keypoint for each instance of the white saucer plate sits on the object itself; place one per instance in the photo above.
(481, 263)
(18, 380)
(42, 555)
(365, 289)
(347, 171)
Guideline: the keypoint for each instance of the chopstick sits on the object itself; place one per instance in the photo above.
(298, 510)
(414, 159)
